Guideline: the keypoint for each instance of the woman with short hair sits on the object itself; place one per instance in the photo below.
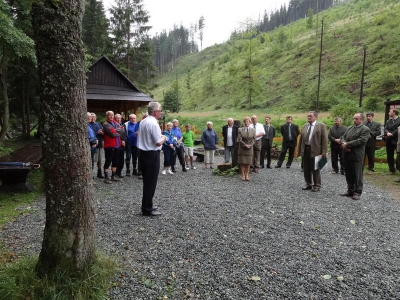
(209, 139)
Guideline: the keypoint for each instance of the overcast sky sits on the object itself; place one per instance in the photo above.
(221, 17)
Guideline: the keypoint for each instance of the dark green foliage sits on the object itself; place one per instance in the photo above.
(171, 100)
(95, 29)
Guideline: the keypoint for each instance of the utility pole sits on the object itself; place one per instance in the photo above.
(320, 62)
(362, 76)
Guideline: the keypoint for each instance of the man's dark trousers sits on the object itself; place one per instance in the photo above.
(150, 163)
(288, 145)
(265, 149)
(336, 156)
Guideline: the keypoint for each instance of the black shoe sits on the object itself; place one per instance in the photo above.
(173, 170)
(184, 169)
(347, 194)
(277, 167)
(315, 189)
(342, 173)
(128, 173)
(153, 213)
(99, 175)
(269, 167)
(262, 167)
(135, 172)
(287, 166)
(120, 176)
(306, 187)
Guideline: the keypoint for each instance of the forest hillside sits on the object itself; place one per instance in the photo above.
(278, 70)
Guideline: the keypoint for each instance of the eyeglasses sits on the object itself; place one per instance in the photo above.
(158, 111)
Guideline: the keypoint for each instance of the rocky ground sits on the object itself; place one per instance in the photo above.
(223, 238)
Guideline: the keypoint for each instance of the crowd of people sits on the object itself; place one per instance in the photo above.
(138, 144)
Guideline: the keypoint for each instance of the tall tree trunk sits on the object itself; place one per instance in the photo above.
(23, 115)
(27, 111)
(69, 239)
(4, 96)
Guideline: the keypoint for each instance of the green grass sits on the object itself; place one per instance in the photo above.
(18, 280)
(14, 204)
(286, 68)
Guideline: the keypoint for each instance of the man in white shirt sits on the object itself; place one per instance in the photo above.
(149, 142)
(257, 145)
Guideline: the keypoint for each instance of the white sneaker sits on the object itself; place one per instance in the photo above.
(164, 172)
(193, 168)
(170, 172)
(187, 168)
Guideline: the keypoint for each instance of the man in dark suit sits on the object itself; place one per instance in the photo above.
(375, 129)
(313, 142)
(266, 143)
(230, 133)
(335, 132)
(353, 143)
(391, 137)
(289, 133)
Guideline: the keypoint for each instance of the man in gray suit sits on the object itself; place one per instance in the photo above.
(353, 143)
(267, 142)
(375, 129)
(313, 142)
(335, 132)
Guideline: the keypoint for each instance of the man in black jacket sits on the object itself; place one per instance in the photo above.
(289, 133)
(335, 132)
(230, 133)
(375, 129)
(391, 137)
(266, 142)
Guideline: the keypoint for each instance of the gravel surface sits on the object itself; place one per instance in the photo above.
(223, 238)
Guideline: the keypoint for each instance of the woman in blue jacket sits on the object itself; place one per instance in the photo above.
(209, 139)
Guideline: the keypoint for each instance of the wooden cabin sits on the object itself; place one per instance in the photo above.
(108, 88)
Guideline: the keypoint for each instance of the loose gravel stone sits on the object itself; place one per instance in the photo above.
(223, 238)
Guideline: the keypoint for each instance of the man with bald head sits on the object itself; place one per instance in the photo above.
(353, 143)
(132, 129)
(230, 133)
(259, 128)
(112, 142)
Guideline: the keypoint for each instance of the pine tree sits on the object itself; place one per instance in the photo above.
(95, 28)
(132, 51)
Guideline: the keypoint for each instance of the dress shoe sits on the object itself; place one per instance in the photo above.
(184, 169)
(262, 167)
(315, 189)
(334, 172)
(356, 196)
(347, 194)
(287, 166)
(153, 213)
(269, 167)
(342, 173)
(306, 187)
(277, 166)
(115, 178)
(173, 170)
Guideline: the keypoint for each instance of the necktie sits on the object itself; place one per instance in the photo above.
(267, 131)
(290, 132)
(309, 133)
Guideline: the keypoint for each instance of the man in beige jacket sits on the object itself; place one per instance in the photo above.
(313, 142)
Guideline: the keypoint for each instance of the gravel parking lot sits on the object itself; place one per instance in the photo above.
(223, 238)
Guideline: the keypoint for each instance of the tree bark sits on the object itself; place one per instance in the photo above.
(69, 239)
(4, 96)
